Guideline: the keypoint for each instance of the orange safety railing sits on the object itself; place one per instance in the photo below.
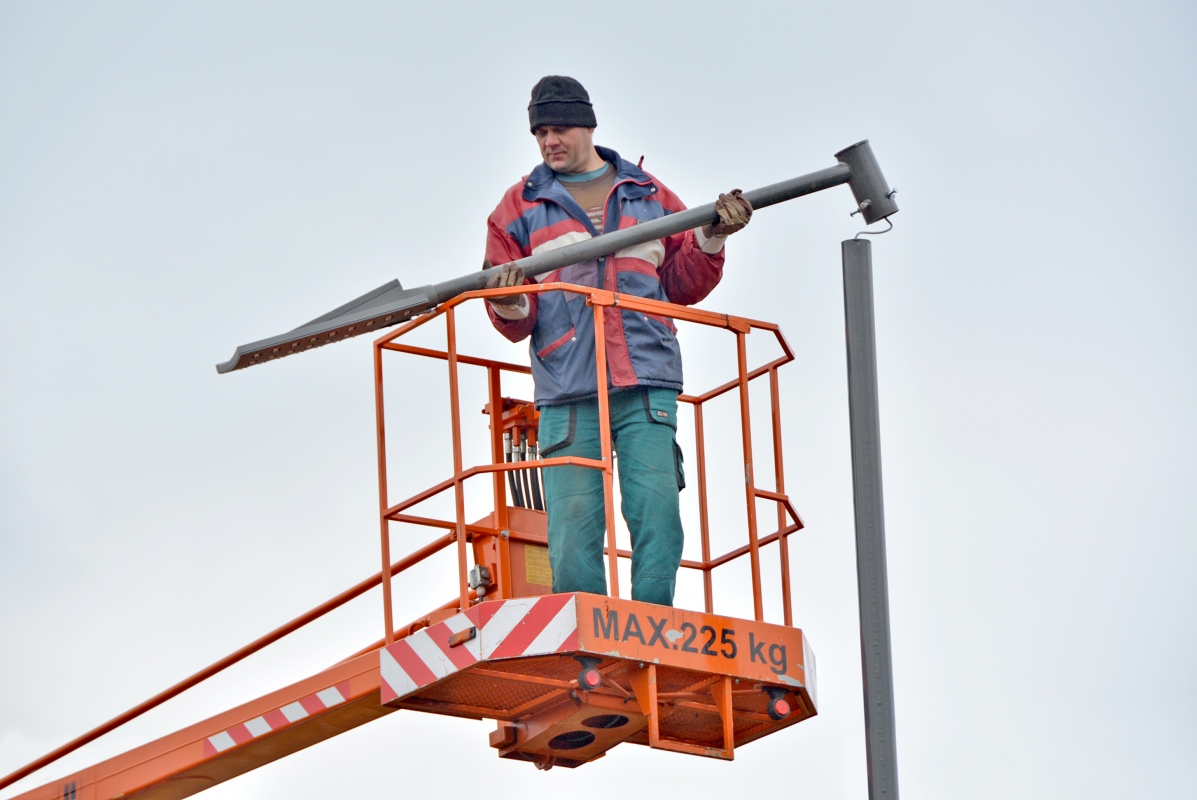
(462, 532)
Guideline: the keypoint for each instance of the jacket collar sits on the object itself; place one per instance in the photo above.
(542, 180)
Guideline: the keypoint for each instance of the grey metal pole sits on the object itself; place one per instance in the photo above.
(391, 304)
(872, 585)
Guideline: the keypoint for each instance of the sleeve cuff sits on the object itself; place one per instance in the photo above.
(711, 245)
(513, 312)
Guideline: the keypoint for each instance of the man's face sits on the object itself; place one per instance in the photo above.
(565, 149)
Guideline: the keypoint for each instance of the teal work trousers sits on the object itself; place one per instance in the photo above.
(643, 424)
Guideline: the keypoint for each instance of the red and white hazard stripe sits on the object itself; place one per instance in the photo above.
(278, 718)
(525, 626)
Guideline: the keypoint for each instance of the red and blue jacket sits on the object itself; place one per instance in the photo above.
(538, 214)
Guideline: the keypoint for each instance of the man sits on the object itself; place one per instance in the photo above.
(578, 192)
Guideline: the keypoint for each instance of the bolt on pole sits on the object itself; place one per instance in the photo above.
(872, 585)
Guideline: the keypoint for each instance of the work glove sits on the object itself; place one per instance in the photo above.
(506, 277)
(734, 213)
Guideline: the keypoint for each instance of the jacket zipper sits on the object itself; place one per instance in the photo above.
(606, 207)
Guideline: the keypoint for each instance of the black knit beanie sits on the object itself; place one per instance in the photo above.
(558, 100)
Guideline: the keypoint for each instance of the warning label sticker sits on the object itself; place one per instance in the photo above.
(694, 640)
(536, 562)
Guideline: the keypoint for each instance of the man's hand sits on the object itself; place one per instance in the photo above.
(734, 213)
(505, 278)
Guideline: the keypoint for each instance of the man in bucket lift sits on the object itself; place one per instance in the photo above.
(578, 192)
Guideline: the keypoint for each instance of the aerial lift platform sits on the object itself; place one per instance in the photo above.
(564, 677)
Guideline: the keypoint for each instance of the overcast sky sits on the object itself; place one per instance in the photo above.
(177, 179)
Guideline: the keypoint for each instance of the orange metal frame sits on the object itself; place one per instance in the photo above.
(163, 768)
(599, 300)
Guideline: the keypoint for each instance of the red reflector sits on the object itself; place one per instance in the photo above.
(590, 678)
(779, 709)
